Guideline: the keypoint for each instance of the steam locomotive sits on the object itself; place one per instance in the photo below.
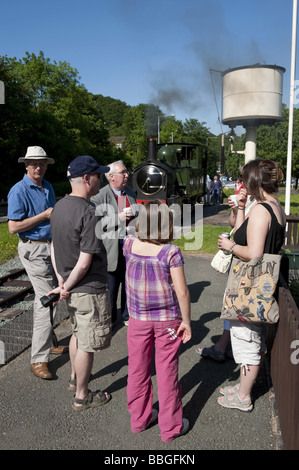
(174, 173)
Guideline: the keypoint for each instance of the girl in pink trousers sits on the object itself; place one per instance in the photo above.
(158, 302)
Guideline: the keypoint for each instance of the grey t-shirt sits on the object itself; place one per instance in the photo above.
(73, 223)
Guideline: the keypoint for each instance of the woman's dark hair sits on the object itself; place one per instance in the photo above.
(261, 175)
(155, 222)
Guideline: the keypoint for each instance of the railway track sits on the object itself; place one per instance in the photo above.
(13, 289)
(16, 311)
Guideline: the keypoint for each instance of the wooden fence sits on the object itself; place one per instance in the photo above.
(285, 354)
(292, 234)
(285, 369)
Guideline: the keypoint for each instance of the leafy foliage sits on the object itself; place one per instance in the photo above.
(272, 144)
(46, 104)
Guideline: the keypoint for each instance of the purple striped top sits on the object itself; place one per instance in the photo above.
(150, 292)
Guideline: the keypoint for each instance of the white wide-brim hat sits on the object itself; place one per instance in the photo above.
(35, 153)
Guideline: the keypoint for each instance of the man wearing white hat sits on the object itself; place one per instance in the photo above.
(30, 203)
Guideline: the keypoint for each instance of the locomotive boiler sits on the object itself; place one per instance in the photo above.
(174, 173)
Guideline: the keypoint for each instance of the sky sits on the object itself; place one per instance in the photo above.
(166, 52)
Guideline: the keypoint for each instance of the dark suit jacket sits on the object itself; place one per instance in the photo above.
(109, 227)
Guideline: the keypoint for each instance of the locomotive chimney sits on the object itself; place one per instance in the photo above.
(152, 149)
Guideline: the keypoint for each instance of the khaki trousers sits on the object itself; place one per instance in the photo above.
(36, 259)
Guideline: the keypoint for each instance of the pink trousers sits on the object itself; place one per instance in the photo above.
(142, 337)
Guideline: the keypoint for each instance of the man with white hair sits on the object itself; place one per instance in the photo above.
(30, 203)
(116, 206)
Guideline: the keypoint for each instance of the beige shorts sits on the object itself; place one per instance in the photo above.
(248, 341)
(91, 320)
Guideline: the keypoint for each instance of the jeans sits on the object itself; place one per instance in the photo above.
(216, 196)
(206, 197)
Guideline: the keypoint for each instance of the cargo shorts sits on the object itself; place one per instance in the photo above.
(91, 320)
(248, 342)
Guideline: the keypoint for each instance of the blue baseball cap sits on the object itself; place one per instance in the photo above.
(83, 165)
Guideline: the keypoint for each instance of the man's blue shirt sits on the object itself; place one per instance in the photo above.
(26, 199)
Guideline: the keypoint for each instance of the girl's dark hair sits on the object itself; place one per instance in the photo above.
(155, 222)
(261, 175)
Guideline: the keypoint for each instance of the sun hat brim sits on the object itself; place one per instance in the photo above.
(26, 159)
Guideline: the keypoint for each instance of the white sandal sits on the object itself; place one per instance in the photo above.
(229, 390)
(235, 402)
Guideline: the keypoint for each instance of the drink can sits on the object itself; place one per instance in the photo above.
(226, 235)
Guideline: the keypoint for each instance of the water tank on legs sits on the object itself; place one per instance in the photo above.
(252, 95)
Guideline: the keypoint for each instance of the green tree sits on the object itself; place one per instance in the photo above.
(234, 147)
(112, 111)
(171, 130)
(15, 116)
(46, 81)
(135, 134)
(195, 132)
(272, 141)
(272, 144)
(48, 106)
(214, 154)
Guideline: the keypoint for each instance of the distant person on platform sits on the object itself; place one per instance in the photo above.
(30, 203)
(116, 206)
(216, 190)
(207, 195)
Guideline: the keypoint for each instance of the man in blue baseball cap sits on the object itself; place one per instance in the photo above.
(80, 262)
(85, 165)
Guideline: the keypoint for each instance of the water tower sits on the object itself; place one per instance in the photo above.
(252, 96)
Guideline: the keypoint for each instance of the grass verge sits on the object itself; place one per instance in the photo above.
(208, 243)
(8, 244)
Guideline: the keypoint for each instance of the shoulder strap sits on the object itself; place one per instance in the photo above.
(271, 239)
(269, 208)
(271, 211)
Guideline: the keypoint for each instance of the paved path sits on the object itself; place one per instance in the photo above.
(36, 414)
(217, 214)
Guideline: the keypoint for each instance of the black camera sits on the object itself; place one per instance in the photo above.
(47, 300)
